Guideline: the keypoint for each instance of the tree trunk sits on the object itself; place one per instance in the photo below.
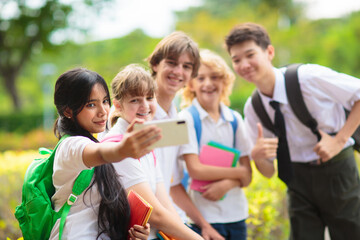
(10, 84)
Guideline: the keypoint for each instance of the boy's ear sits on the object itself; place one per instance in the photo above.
(271, 52)
(68, 113)
(117, 104)
(155, 68)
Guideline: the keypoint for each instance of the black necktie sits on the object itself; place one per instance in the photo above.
(283, 155)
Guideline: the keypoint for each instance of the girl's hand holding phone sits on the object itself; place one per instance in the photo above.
(136, 143)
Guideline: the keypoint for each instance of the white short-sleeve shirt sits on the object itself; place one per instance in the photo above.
(171, 169)
(168, 155)
(234, 206)
(134, 171)
(68, 163)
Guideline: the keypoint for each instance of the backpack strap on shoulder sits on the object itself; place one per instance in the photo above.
(197, 122)
(234, 124)
(81, 183)
(296, 100)
(261, 112)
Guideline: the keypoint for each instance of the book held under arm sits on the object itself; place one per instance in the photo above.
(218, 155)
(140, 209)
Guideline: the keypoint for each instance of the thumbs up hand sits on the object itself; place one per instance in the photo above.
(263, 151)
(265, 148)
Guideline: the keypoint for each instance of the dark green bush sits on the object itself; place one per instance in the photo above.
(21, 122)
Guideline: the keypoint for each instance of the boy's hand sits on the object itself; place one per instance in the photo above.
(265, 148)
(327, 147)
(209, 233)
(216, 190)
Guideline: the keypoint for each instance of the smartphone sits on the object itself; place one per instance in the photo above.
(174, 132)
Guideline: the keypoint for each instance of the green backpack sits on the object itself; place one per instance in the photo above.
(36, 214)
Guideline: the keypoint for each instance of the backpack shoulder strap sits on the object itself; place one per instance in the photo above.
(82, 181)
(197, 122)
(261, 112)
(234, 124)
(296, 100)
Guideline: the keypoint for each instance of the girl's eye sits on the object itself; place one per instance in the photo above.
(150, 98)
(91, 105)
(106, 101)
(134, 100)
(200, 79)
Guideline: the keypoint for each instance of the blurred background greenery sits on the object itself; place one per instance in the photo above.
(41, 39)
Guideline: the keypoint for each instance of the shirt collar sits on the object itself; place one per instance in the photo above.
(203, 114)
(279, 93)
(279, 88)
(224, 111)
(162, 114)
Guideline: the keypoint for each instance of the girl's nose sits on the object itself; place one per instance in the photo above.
(103, 109)
(145, 103)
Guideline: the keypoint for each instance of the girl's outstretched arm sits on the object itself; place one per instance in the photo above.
(134, 144)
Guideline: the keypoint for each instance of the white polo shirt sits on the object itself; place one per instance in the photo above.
(171, 169)
(68, 163)
(234, 206)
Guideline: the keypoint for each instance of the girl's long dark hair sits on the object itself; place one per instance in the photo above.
(72, 92)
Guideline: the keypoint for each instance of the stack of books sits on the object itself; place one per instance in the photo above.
(215, 154)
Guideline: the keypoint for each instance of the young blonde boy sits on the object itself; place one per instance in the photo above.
(223, 203)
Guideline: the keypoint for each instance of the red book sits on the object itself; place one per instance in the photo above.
(140, 209)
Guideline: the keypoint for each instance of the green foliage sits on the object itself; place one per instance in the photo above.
(30, 140)
(12, 170)
(267, 208)
(20, 122)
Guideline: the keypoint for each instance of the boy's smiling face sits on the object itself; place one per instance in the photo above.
(252, 62)
(173, 74)
(208, 86)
